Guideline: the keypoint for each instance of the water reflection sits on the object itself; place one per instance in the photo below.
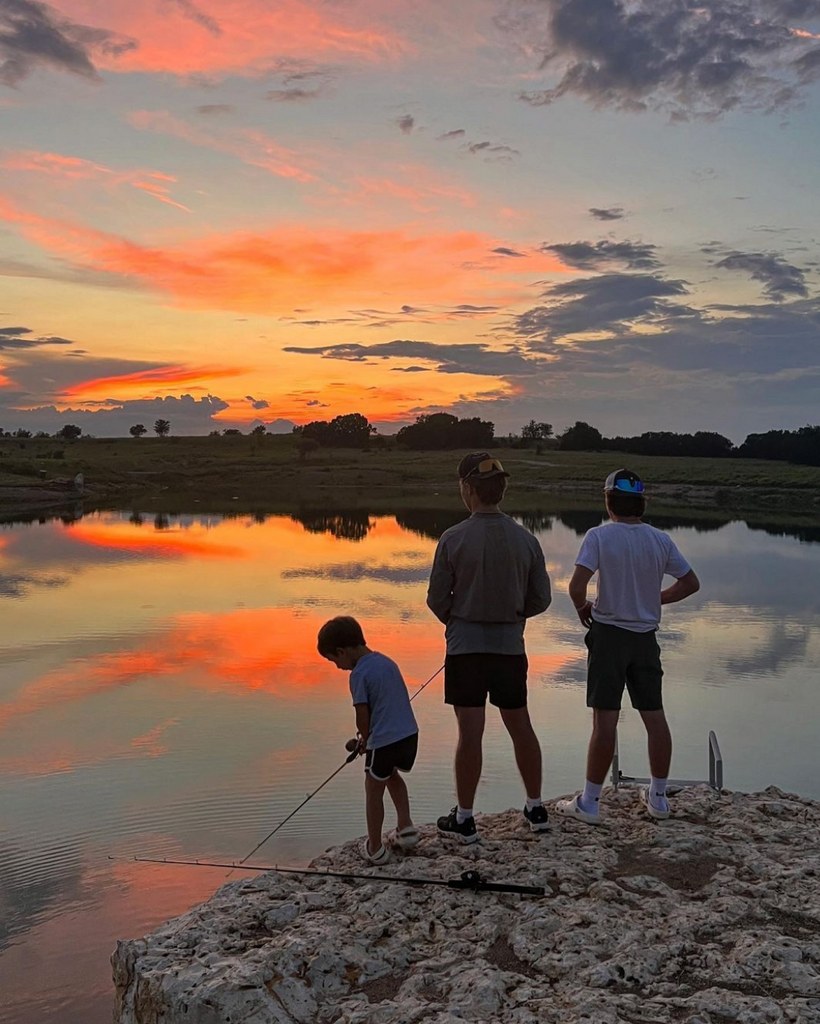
(161, 694)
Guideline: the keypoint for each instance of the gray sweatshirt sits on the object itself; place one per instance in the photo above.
(488, 576)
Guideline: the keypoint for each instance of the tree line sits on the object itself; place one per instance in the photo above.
(440, 431)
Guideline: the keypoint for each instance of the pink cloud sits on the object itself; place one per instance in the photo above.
(242, 37)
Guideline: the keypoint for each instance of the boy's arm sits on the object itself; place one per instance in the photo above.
(362, 723)
(578, 593)
(539, 595)
(440, 588)
(680, 589)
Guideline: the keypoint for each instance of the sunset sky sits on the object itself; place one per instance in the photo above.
(233, 212)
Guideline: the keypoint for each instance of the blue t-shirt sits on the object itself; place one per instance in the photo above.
(377, 682)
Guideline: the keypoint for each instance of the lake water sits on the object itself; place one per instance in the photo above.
(161, 696)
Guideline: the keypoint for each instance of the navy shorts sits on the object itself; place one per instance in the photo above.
(381, 763)
(620, 658)
(470, 678)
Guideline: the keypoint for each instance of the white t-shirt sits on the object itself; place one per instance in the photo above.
(631, 560)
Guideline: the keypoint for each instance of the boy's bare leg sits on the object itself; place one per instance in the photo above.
(397, 789)
(659, 743)
(468, 759)
(374, 811)
(527, 748)
(601, 748)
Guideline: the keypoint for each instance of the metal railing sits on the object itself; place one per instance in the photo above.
(715, 779)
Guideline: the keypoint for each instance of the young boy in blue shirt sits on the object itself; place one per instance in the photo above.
(386, 728)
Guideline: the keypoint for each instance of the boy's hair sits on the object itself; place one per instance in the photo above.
(490, 490)
(343, 631)
(626, 504)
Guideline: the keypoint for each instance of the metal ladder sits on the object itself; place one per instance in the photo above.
(715, 779)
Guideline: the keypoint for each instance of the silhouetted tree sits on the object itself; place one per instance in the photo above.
(533, 431)
(440, 430)
(581, 438)
(350, 431)
(138, 430)
(162, 428)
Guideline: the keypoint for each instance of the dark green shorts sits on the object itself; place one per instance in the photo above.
(620, 658)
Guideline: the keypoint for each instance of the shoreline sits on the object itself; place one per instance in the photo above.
(713, 915)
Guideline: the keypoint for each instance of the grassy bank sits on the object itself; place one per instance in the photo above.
(268, 473)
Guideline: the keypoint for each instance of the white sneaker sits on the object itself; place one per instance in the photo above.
(572, 809)
(380, 857)
(659, 813)
(408, 837)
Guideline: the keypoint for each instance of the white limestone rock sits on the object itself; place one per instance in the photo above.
(710, 917)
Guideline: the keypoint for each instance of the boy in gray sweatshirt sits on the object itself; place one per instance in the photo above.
(488, 578)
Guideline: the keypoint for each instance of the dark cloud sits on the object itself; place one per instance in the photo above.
(15, 338)
(474, 358)
(295, 94)
(34, 35)
(209, 109)
(607, 213)
(406, 122)
(190, 10)
(456, 133)
(257, 403)
(780, 279)
(188, 415)
(684, 58)
(502, 250)
(354, 571)
(594, 255)
(611, 302)
(491, 150)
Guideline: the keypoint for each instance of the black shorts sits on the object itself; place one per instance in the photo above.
(381, 763)
(621, 658)
(470, 678)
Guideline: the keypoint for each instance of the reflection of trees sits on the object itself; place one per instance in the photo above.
(581, 519)
(161, 521)
(536, 522)
(353, 525)
(429, 522)
(698, 524)
(806, 534)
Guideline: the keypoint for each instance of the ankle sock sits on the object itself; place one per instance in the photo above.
(657, 792)
(463, 813)
(588, 800)
(533, 802)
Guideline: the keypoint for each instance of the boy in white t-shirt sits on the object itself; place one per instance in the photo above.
(631, 559)
(386, 728)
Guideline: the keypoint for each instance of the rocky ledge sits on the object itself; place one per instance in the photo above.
(710, 917)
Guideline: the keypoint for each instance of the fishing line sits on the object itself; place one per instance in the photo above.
(471, 880)
(351, 757)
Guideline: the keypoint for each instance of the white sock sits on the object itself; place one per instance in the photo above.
(588, 800)
(463, 813)
(657, 792)
(533, 802)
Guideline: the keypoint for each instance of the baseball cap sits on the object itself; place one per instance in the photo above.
(480, 465)
(625, 481)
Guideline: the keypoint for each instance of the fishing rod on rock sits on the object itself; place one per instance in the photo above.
(352, 745)
(471, 880)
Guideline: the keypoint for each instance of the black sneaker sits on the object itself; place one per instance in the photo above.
(538, 818)
(465, 832)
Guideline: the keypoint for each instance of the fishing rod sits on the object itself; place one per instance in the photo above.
(351, 745)
(471, 880)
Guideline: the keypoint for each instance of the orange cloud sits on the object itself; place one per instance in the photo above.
(250, 146)
(244, 37)
(292, 266)
(168, 543)
(72, 169)
(268, 649)
(146, 383)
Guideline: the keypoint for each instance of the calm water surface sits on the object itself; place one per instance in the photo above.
(161, 696)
